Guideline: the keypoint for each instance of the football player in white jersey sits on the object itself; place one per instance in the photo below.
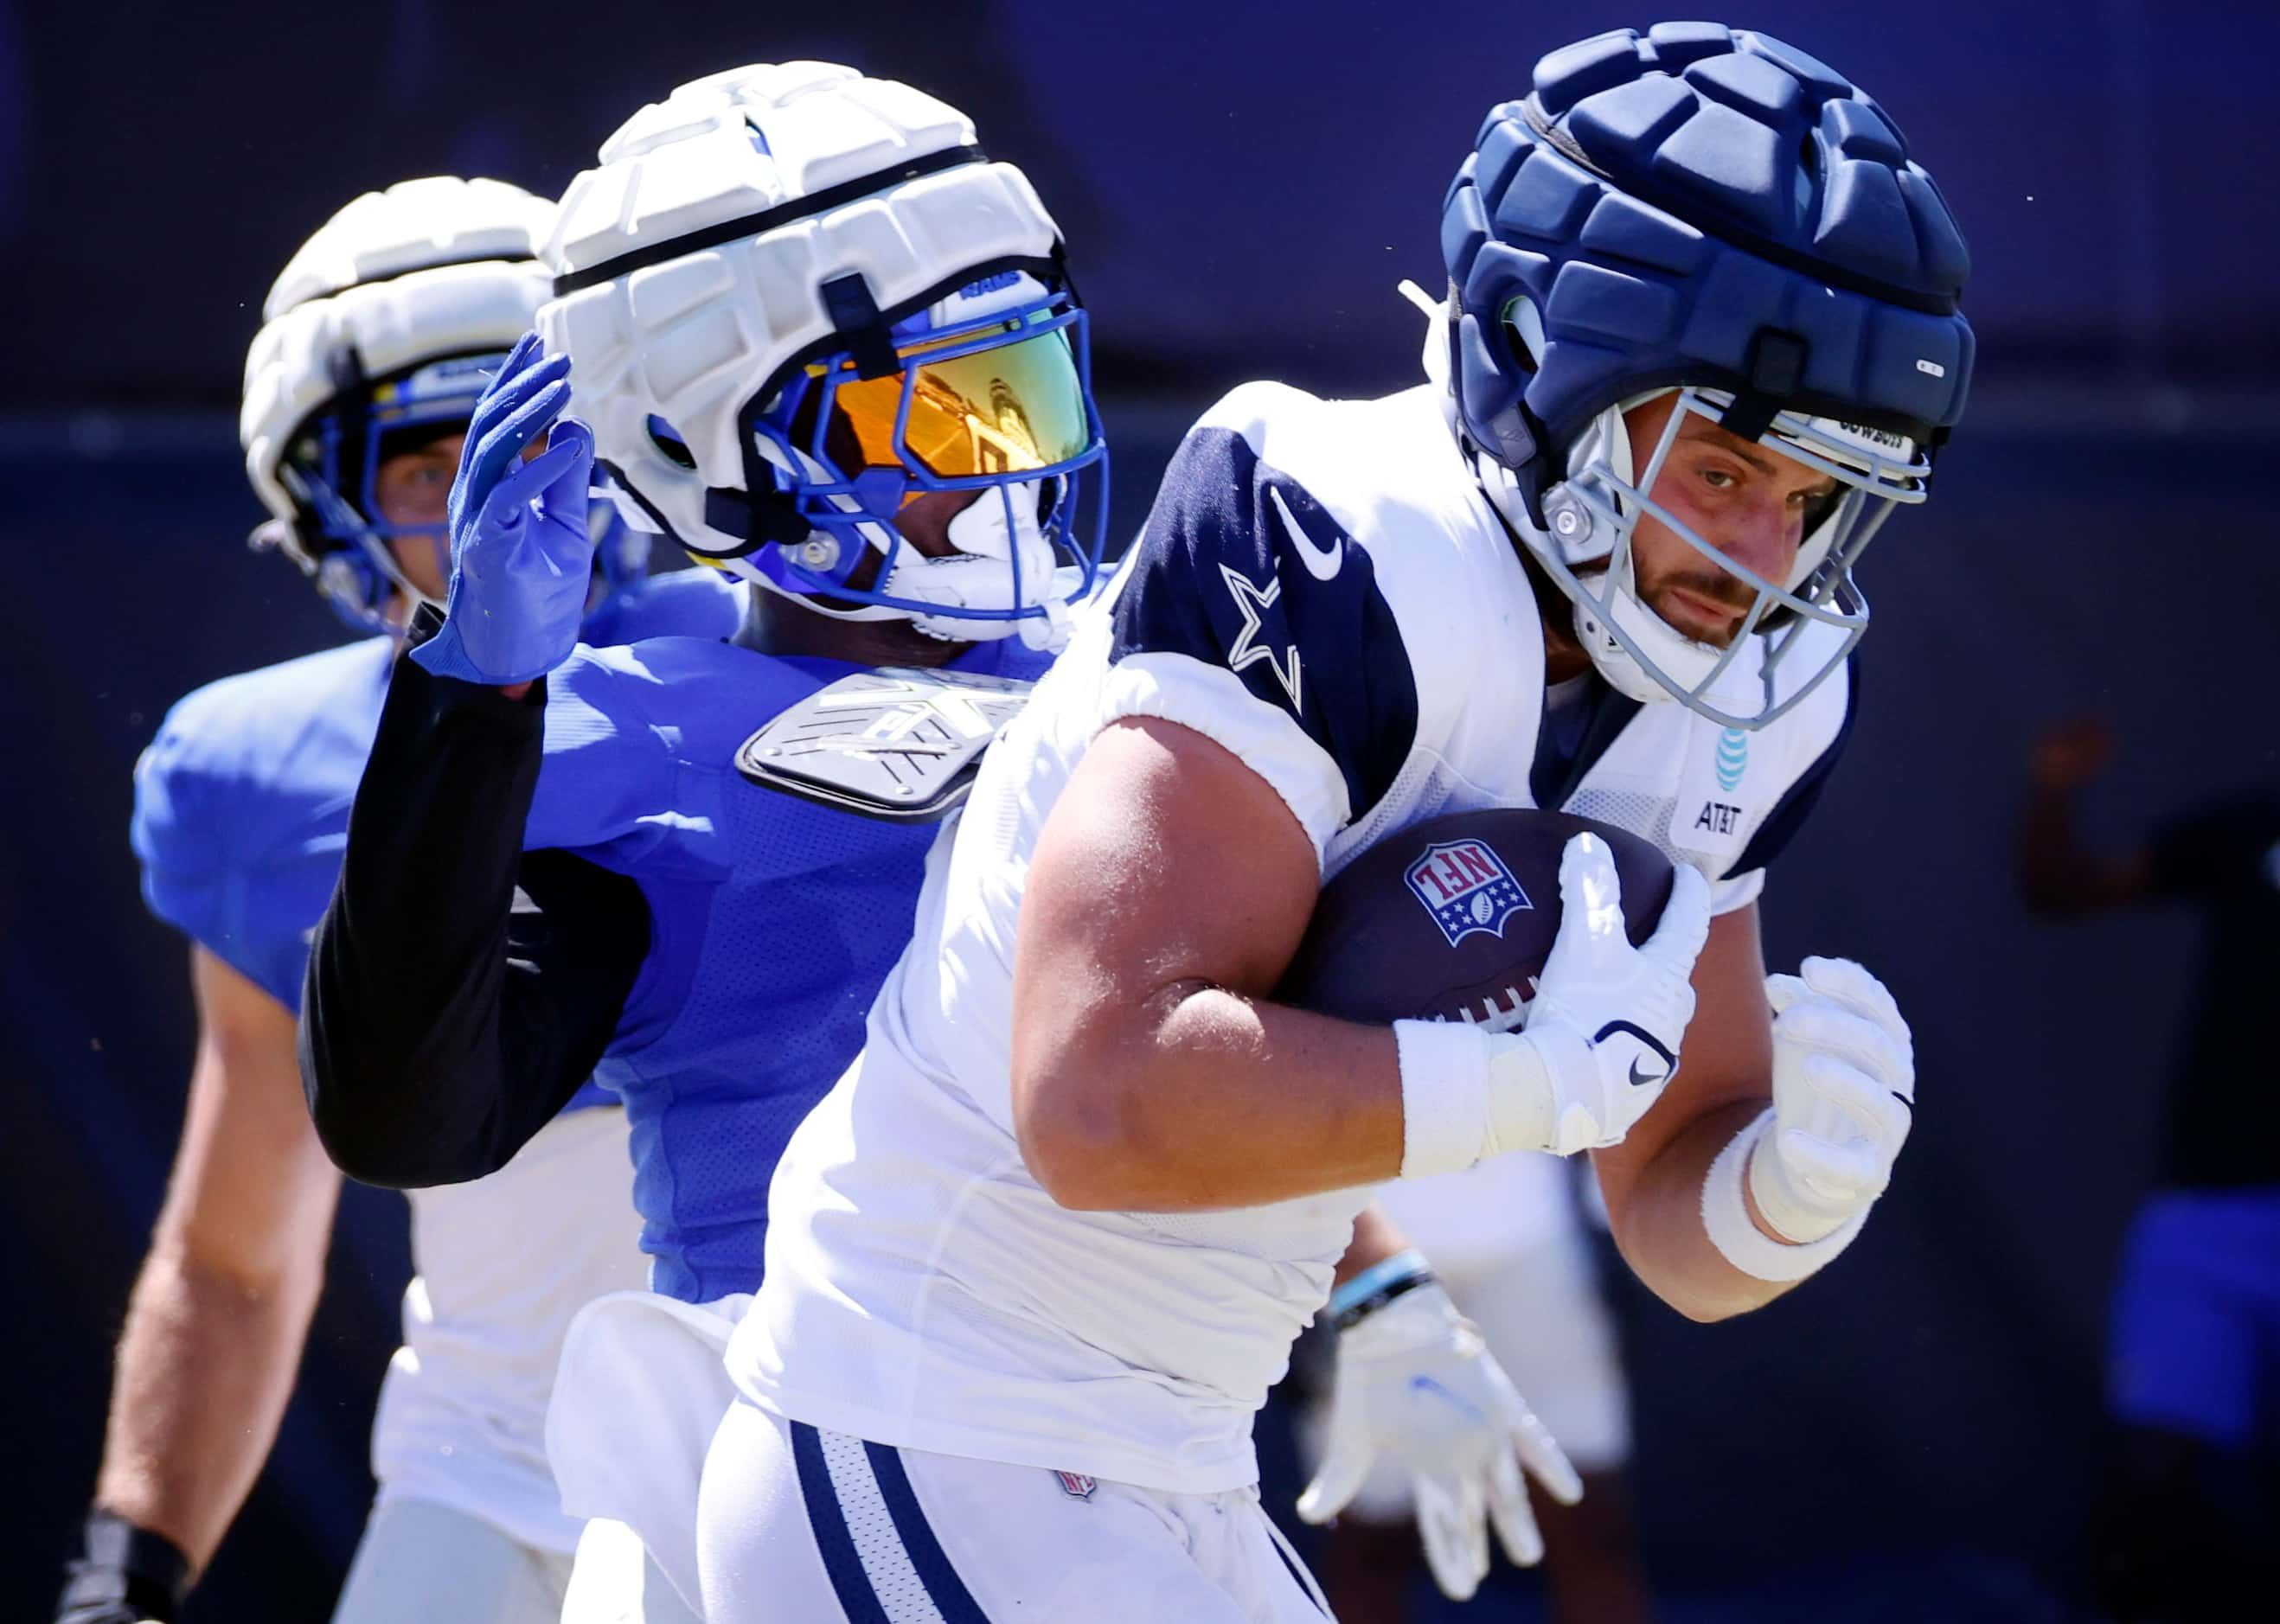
(377, 339)
(1035, 1261)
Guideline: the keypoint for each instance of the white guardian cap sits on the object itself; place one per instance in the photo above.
(795, 299)
(389, 320)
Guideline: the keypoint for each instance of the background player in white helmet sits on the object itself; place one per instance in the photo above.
(377, 339)
(1087, 1180)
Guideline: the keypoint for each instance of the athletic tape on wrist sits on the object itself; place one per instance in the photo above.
(126, 1564)
(1444, 1095)
(1526, 1110)
(1377, 1285)
(1726, 1218)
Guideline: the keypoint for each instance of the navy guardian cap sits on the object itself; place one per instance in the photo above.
(1712, 211)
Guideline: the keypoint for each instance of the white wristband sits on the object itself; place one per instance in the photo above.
(1444, 1095)
(1726, 1218)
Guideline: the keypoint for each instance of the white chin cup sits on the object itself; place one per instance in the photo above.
(1581, 537)
(988, 535)
(1683, 661)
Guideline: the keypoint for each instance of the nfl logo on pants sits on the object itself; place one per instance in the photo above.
(1465, 887)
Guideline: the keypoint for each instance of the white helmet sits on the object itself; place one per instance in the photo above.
(795, 298)
(391, 318)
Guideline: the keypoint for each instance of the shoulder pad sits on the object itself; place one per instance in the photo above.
(686, 602)
(898, 744)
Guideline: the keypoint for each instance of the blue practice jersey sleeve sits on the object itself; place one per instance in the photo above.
(185, 874)
(698, 602)
(240, 802)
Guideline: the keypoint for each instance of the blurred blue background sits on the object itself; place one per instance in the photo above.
(1917, 1435)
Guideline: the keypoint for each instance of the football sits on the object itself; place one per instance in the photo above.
(1452, 919)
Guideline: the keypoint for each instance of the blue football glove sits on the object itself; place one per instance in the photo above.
(522, 553)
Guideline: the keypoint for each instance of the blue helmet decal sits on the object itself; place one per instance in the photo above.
(1706, 206)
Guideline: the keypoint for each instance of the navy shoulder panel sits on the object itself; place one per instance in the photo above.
(1797, 803)
(1240, 566)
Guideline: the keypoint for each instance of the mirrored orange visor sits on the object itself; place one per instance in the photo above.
(1012, 408)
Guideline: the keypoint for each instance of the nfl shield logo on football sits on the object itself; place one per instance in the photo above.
(1466, 888)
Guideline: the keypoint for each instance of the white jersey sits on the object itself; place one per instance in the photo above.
(504, 1262)
(1323, 590)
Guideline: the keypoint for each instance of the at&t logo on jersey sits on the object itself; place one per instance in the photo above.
(1466, 888)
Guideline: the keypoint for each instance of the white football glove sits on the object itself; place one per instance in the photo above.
(1607, 1017)
(1844, 1089)
(1414, 1381)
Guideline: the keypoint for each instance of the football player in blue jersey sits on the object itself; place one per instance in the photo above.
(1088, 1180)
(846, 367)
(891, 465)
(377, 340)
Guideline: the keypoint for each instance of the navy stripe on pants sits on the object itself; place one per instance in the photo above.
(857, 1598)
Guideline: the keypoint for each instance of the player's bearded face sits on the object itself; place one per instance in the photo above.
(1753, 505)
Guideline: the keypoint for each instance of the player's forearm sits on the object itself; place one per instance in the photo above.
(1210, 1099)
(1656, 1215)
(206, 1363)
(436, 1040)
(399, 1031)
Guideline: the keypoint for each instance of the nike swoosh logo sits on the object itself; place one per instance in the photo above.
(1639, 1032)
(1638, 1081)
(1426, 1384)
(1321, 562)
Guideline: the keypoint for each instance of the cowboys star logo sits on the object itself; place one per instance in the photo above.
(1251, 601)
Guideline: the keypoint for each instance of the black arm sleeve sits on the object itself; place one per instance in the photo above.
(458, 990)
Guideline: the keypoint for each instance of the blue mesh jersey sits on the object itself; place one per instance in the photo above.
(773, 921)
(241, 802)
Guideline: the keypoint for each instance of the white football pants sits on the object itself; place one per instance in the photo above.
(799, 1523)
(428, 1564)
(639, 1395)
(616, 1582)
